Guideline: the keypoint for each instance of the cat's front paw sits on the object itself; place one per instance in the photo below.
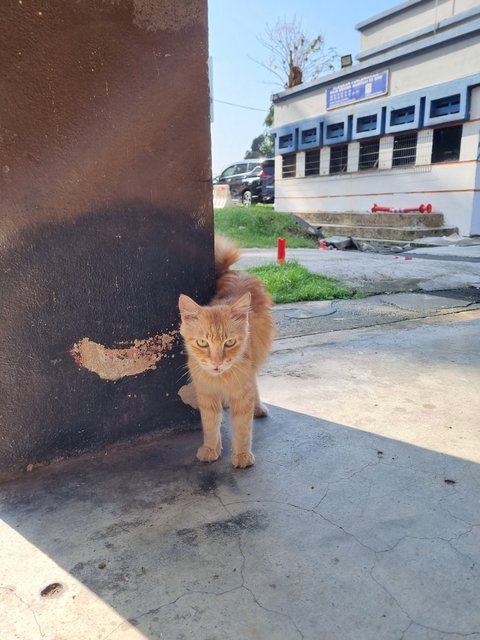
(243, 459)
(206, 454)
(260, 411)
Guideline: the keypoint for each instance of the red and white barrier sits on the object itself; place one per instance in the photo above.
(221, 196)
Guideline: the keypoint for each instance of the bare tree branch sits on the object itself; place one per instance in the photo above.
(292, 57)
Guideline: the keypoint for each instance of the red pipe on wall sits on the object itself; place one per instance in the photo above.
(423, 208)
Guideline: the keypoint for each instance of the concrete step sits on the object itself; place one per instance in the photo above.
(403, 234)
(373, 219)
(380, 242)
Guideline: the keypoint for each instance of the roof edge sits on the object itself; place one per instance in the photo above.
(399, 8)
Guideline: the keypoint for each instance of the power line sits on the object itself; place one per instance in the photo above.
(240, 106)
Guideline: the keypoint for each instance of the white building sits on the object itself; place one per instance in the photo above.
(400, 128)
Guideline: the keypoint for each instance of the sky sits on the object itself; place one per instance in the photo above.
(234, 29)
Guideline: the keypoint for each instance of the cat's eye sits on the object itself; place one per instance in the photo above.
(202, 343)
(230, 342)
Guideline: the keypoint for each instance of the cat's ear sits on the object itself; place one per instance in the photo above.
(241, 307)
(188, 307)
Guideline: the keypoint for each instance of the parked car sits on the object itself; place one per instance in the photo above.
(259, 184)
(250, 180)
(234, 174)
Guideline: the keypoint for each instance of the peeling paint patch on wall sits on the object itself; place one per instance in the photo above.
(116, 363)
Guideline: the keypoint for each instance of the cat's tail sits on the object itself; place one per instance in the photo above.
(226, 254)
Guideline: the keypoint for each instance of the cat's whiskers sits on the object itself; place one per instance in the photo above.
(185, 373)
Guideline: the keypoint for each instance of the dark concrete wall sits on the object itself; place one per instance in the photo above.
(105, 216)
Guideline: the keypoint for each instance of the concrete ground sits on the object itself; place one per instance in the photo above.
(359, 521)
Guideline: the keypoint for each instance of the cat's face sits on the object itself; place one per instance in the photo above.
(216, 336)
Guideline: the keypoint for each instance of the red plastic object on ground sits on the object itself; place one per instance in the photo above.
(423, 208)
(281, 250)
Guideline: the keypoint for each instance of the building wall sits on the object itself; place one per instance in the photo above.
(418, 77)
(414, 18)
(105, 218)
(425, 70)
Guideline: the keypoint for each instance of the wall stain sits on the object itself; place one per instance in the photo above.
(167, 15)
(116, 363)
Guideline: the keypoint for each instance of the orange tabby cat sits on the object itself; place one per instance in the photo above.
(226, 342)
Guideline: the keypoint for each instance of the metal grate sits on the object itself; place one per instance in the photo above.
(312, 162)
(368, 158)
(404, 149)
(309, 136)
(446, 144)
(402, 116)
(289, 165)
(338, 158)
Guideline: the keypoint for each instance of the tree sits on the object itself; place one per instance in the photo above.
(293, 57)
(263, 145)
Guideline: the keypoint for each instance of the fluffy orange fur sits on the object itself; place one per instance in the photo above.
(226, 343)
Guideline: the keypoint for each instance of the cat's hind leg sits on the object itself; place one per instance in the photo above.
(211, 413)
(260, 410)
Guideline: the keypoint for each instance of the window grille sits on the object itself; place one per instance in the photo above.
(289, 165)
(445, 106)
(446, 144)
(338, 158)
(336, 130)
(285, 141)
(312, 162)
(367, 123)
(368, 158)
(404, 149)
(402, 116)
(309, 136)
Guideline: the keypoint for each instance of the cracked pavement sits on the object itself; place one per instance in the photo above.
(359, 521)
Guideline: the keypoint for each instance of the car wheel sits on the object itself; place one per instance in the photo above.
(247, 198)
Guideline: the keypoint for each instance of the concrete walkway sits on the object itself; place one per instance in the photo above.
(359, 521)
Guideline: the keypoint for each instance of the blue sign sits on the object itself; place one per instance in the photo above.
(358, 90)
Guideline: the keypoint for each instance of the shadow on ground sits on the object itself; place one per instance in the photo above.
(335, 533)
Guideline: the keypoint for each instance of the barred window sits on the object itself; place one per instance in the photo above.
(289, 165)
(312, 162)
(446, 144)
(338, 158)
(404, 149)
(369, 150)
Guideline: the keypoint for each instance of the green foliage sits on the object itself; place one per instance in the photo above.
(260, 226)
(292, 282)
(262, 146)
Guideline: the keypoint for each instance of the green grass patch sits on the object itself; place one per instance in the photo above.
(260, 226)
(292, 282)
